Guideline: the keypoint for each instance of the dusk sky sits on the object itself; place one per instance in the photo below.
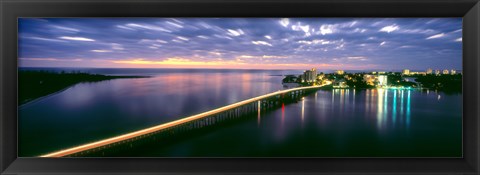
(242, 43)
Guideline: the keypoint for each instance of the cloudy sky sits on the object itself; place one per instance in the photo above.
(245, 43)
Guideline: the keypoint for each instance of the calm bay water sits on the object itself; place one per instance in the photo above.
(328, 123)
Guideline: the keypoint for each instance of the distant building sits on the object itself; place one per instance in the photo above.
(406, 72)
(418, 73)
(445, 71)
(429, 71)
(340, 84)
(310, 75)
(453, 72)
(382, 80)
(369, 79)
(340, 72)
(437, 72)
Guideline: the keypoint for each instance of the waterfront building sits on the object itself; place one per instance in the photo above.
(445, 71)
(429, 71)
(340, 84)
(382, 80)
(453, 72)
(310, 75)
(418, 73)
(369, 79)
(340, 72)
(406, 72)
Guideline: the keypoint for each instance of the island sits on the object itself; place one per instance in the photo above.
(33, 85)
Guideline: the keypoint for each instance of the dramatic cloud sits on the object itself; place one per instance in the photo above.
(76, 38)
(326, 29)
(284, 22)
(101, 51)
(235, 32)
(389, 29)
(246, 43)
(436, 36)
(261, 43)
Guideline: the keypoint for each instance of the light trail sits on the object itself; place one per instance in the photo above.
(153, 129)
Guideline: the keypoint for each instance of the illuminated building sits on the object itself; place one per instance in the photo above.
(382, 80)
(437, 72)
(445, 71)
(453, 72)
(340, 72)
(429, 71)
(340, 84)
(406, 72)
(418, 73)
(310, 75)
(369, 79)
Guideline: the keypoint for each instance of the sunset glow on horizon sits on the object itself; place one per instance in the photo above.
(242, 43)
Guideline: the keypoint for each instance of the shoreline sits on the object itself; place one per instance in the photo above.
(38, 85)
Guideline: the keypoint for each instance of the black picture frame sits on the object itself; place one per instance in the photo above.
(10, 10)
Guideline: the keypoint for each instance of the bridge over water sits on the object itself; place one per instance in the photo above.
(215, 116)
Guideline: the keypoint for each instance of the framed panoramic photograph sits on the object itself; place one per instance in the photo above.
(240, 87)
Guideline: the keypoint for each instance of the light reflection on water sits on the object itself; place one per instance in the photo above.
(329, 123)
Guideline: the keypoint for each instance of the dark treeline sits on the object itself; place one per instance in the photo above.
(36, 84)
(447, 83)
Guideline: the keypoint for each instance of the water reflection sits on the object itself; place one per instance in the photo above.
(408, 110)
(394, 110)
(283, 115)
(258, 117)
(303, 111)
(380, 108)
(381, 103)
(401, 104)
(324, 125)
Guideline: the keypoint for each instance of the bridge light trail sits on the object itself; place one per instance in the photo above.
(160, 127)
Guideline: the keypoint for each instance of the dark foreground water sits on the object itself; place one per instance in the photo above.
(328, 123)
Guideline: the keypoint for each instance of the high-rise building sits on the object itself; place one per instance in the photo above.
(310, 75)
(340, 72)
(406, 72)
(314, 73)
(453, 72)
(445, 71)
(429, 71)
(382, 80)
